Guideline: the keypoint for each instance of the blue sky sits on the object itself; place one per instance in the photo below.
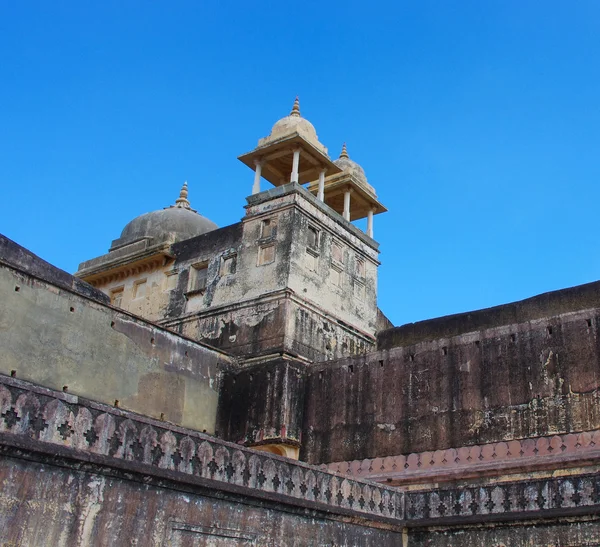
(478, 123)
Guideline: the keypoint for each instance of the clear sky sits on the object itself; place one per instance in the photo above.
(478, 123)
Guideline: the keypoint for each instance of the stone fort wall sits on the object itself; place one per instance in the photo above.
(61, 333)
(518, 371)
(77, 472)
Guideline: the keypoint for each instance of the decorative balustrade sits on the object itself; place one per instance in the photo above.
(500, 455)
(54, 419)
(37, 419)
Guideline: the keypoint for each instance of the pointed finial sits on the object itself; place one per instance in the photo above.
(296, 109)
(182, 201)
(344, 153)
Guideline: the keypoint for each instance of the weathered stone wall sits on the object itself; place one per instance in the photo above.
(75, 472)
(314, 334)
(346, 285)
(263, 403)
(583, 532)
(22, 259)
(547, 305)
(251, 329)
(76, 507)
(282, 298)
(63, 339)
(538, 377)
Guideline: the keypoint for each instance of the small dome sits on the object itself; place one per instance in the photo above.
(350, 166)
(178, 220)
(293, 123)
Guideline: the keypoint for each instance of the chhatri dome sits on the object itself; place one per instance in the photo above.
(293, 123)
(350, 166)
(179, 220)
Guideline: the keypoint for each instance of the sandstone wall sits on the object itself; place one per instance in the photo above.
(445, 386)
(65, 339)
(75, 472)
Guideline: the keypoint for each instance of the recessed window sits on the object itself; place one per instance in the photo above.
(198, 277)
(116, 297)
(171, 281)
(313, 237)
(267, 227)
(360, 268)
(228, 264)
(335, 276)
(266, 255)
(139, 289)
(337, 253)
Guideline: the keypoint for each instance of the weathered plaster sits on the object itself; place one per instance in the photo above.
(62, 339)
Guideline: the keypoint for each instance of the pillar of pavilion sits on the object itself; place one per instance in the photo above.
(348, 192)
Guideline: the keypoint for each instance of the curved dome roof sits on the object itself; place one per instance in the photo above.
(294, 122)
(178, 220)
(350, 166)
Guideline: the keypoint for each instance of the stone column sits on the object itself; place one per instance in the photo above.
(321, 192)
(347, 204)
(370, 223)
(295, 164)
(257, 171)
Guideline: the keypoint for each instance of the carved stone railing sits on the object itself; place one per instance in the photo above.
(577, 495)
(38, 422)
(41, 420)
(557, 451)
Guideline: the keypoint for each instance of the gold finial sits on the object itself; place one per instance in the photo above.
(182, 201)
(296, 109)
(344, 153)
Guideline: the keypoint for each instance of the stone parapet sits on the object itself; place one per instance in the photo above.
(38, 420)
(477, 461)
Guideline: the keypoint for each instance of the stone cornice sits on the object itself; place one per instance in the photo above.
(273, 296)
(123, 267)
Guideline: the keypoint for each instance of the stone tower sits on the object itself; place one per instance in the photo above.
(294, 282)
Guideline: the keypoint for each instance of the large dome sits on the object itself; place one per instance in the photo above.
(179, 220)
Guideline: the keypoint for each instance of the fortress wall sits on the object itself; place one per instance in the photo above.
(263, 403)
(59, 337)
(76, 472)
(539, 376)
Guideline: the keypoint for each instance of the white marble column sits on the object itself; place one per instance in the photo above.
(347, 204)
(257, 171)
(295, 165)
(370, 223)
(321, 192)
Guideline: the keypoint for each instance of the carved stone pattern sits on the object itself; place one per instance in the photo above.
(469, 456)
(521, 497)
(102, 430)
